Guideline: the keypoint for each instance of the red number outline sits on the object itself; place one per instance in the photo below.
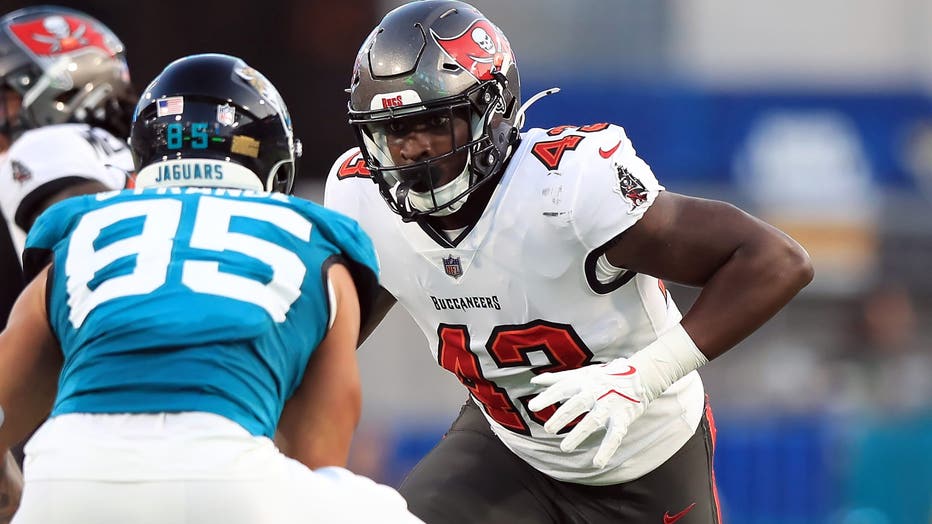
(354, 166)
(511, 346)
(550, 153)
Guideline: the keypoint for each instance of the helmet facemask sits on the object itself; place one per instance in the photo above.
(426, 56)
(423, 187)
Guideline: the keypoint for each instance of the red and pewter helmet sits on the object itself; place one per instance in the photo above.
(67, 67)
(435, 57)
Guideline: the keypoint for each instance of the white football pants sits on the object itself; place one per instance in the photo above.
(185, 468)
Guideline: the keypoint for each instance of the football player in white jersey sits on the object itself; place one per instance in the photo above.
(534, 263)
(64, 113)
(65, 107)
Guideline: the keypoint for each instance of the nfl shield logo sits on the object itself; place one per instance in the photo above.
(451, 265)
(226, 114)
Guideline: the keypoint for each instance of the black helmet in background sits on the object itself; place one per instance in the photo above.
(67, 67)
(210, 120)
(444, 57)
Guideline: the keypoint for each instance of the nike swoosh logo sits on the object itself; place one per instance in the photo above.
(629, 371)
(605, 154)
(670, 519)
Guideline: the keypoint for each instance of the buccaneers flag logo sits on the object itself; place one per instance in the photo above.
(630, 187)
(478, 49)
(57, 35)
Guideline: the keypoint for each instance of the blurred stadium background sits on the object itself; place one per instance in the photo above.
(814, 115)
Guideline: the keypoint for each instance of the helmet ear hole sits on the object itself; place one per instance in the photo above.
(281, 179)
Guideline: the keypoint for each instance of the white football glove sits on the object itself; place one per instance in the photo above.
(616, 393)
(612, 393)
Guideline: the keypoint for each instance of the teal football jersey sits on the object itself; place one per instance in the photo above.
(191, 299)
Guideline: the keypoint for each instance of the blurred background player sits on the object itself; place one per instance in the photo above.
(65, 107)
(185, 321)
(532, 263)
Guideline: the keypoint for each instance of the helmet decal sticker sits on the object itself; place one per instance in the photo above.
(400, 98)
(245, 145)
(226, 114)
(478, 49)
(265, 89)
(59, 35)
(172, 105)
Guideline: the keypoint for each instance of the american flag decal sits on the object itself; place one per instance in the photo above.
(452, 267)
(173, 105)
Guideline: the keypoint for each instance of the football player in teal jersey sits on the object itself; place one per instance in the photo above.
(172, 331)
(66, 101)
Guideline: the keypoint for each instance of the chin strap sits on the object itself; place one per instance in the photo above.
(519, 119)
(401, 195)
(442, 195)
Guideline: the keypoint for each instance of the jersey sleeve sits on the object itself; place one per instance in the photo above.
(356, 249)
(341, 192)
(45, 160)
(614, 188)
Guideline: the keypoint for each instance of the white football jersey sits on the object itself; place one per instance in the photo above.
(517, 294)
(42, 158)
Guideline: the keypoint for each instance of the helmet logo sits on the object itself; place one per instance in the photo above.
(56, 35)
(226, 114)
(395, 99)
(265, 89)
(391, 101)
(478, 49)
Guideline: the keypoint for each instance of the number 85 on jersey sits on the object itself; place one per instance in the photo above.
(129, 248)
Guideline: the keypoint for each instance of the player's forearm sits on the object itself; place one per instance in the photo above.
(321, 439)
(317, 425)
(760, 277)
(328, 449)
(11, 487)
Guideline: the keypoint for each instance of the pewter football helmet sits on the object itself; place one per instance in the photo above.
(444, 58)
(67, 67)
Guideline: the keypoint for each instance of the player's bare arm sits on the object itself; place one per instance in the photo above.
(317, 424)
(11, 487)
(30, 362)
(29, 365)
(746, 268)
